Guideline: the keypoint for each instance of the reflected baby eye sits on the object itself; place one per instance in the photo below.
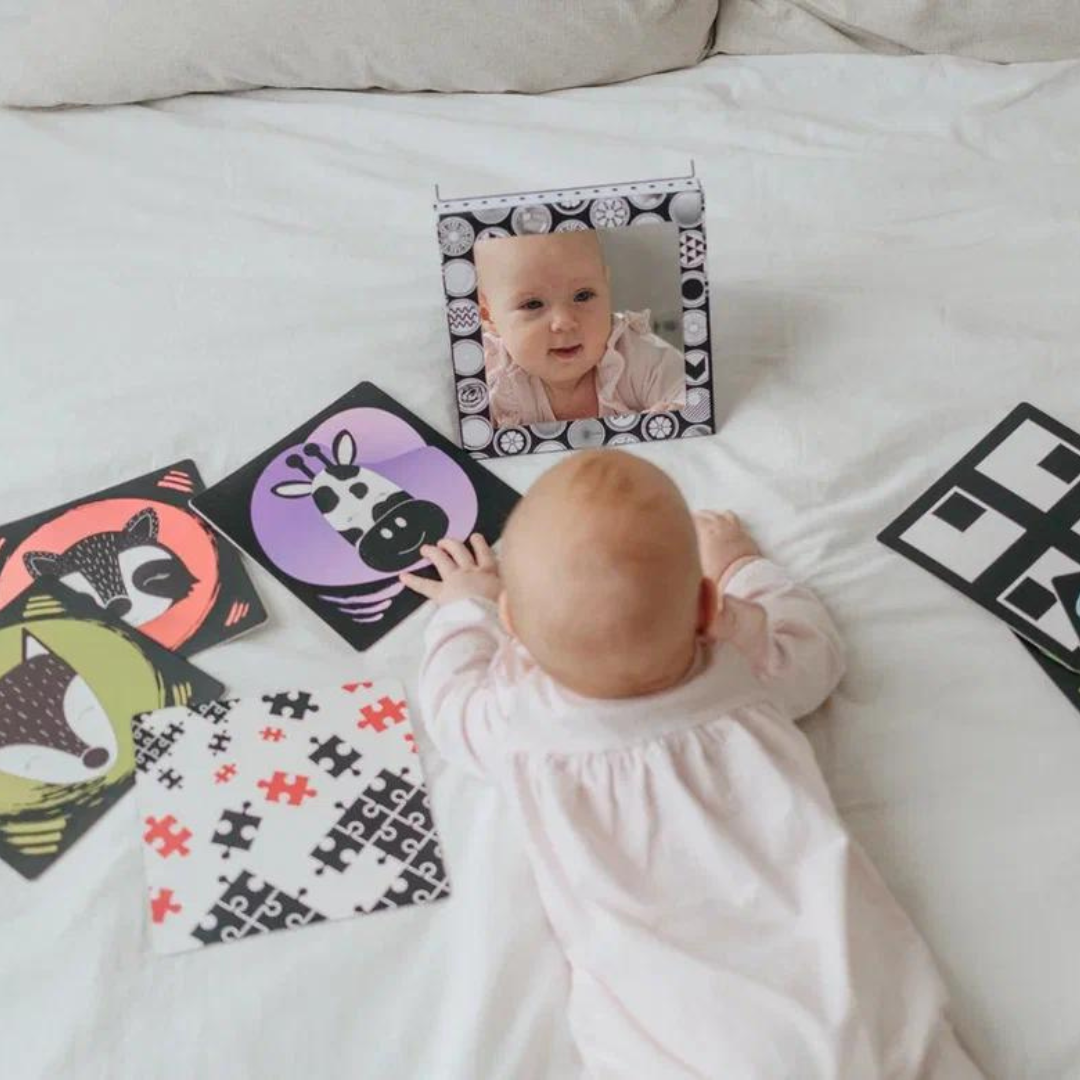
(582, 295)
(532, 305)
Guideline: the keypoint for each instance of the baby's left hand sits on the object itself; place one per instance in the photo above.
(463, 574)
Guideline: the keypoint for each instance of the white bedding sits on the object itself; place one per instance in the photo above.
(895, 263)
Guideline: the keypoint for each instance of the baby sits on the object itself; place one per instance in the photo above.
(553, 349)
(629, 675)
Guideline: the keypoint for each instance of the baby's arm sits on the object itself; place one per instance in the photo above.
(779, 625)
(457, 699)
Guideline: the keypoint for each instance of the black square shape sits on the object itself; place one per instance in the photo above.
(1062, 462)
(959, 511)
(1033, 599)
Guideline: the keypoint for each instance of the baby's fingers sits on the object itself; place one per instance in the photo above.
(439, 559)
(485, 557)
(457, 551)
(422, 585)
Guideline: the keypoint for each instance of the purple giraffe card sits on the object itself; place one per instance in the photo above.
(340, 506)
(71, 678)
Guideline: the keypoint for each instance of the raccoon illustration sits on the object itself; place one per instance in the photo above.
(127, 571)
(53, 728)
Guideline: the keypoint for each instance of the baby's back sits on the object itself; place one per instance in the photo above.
(717, 919)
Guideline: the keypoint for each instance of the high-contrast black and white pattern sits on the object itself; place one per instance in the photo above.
(463, 222)
(314, 810)
(1003, 527)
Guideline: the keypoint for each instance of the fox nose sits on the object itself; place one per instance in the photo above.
(118, 606)
(95, 757)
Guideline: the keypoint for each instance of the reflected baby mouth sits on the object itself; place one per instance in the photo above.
(567, 353)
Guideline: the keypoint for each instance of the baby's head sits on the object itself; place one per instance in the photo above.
(549, 299)
(602, 582)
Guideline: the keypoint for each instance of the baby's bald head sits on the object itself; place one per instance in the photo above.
(602, 579)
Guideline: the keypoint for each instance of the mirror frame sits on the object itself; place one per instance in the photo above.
(461, 222)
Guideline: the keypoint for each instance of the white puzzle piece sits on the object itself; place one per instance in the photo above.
(281, 810)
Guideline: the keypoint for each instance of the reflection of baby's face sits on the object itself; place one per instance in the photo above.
(549, 300)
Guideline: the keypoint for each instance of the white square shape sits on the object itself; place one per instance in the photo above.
(1055, 623)
(967, 552)
(1014, 464)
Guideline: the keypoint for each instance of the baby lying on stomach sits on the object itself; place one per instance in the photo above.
(630, 677)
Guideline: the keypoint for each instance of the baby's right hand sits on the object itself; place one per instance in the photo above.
(723, 543)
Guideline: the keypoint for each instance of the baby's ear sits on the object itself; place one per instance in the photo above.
(504, 615)
(709, 603)
(485, 311)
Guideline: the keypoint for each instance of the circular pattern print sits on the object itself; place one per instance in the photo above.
(492, 232)
(570, 206)
(698, 405)
(691, 248)
(697, 366)
(659, 426)
(472, 395)
(622, 422)
(548, 447)
(549, 429)
(609, 213)
(624, 438)
(695, 327)
(491, 215)
(456, 236)
(571, 225)
(694, 292)
(475, 432)
(648, 219)
(585, 433)
(512, 440)
(647, 200)
(696, 429)
(459, 277)
(686, 208)
(531, 219)
(468, 357)
(463, 316)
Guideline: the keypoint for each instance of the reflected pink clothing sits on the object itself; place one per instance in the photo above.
(717, 919)
(639, 371)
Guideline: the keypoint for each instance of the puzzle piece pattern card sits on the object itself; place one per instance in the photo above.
(281, 810)
(71, 678)
(138, 551)
(1003, 527)
(340, 506)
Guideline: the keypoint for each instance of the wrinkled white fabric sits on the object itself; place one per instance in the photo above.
(716, 917)
(639, 372)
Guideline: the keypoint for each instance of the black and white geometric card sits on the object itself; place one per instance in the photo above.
(1003, 527)
(282, 810)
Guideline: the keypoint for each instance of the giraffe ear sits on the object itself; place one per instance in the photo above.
(345, 449)
(42, 564)
(32, 647)
(292, 489)
(143, 527)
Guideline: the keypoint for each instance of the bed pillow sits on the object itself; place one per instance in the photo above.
(55, 52)
(986, 29)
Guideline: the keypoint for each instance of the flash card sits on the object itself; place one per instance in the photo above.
(139, 553)
(281, 810)
(341, 506)
(1003, 527)
(71, 678)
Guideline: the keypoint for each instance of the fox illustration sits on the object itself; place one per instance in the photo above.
(127, 571)
(53, 728)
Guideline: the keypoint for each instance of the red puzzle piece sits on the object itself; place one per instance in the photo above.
(172, 840)
(295, 791)
(376, 718)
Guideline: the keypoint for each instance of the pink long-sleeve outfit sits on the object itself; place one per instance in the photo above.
(717, 919)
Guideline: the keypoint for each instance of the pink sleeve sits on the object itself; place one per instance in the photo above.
(458, 696)
(788, 636)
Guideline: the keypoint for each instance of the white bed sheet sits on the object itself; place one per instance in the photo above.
(895, 262)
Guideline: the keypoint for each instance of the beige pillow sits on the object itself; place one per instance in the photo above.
(56, 52)
(985, 29)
